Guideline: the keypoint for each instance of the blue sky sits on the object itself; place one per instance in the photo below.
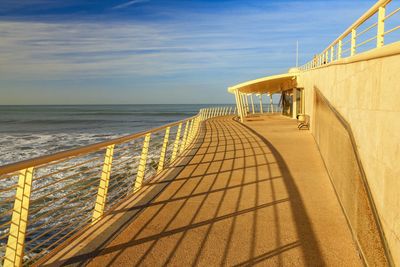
(156, 51)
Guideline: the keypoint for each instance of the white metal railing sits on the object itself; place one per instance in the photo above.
(359, 35)
(45, 200)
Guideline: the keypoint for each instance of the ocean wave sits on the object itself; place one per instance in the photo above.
(57, 209)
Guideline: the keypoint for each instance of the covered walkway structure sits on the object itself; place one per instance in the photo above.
(243, 194)
(291, 102)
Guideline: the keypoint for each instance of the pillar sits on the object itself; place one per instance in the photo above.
(252, 103)
(294, 104)
(247, 103)
(271, 104)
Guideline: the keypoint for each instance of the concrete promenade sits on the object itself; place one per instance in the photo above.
(247, 194)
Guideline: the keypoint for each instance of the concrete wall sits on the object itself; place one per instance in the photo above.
(366, 93)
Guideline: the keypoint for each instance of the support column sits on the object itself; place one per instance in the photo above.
(271, 104)
(252, 103)
(244, 106)
(239, 105)
(247, 103)
(236, 100)
(261, 106)
(294, 104)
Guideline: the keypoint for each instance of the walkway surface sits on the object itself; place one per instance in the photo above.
(246, 194)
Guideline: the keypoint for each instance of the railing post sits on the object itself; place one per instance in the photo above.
(176, 143)
(19, 220)
(353, 42)
(339, 52)
(230, 110)
(194, 129)
(189, 139)
(142, 164)
(184, 139)
(326, 56)
(103, 185)
(381, 27)
(163, 151)
(332, 53)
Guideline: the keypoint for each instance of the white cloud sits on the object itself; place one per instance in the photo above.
(246, 40)
(129, 3)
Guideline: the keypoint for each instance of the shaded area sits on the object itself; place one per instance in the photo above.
(235, 200)
(339, 150)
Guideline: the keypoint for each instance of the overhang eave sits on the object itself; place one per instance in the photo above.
(268, 84)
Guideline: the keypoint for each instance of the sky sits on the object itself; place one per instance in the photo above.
(156, 51)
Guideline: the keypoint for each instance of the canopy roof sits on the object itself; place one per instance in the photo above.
(268, 84)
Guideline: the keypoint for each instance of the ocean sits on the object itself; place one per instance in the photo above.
(32, 131)
(63, 201)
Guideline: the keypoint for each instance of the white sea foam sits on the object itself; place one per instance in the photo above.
(18, 147)
(52, 201)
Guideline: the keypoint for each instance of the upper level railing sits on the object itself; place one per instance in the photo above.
(374, 25)
(43, 201)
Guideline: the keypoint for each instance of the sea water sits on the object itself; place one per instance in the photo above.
(32, 131)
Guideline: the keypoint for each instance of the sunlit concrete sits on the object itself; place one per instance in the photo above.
(246, 193)
(365, 90)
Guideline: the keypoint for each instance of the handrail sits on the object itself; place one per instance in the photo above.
(36, 193)
(81, 150)
(370, 12)
(334, 51)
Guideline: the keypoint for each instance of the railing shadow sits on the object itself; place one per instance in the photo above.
(233, 177)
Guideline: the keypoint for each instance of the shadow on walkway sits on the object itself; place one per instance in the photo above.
(231, 201)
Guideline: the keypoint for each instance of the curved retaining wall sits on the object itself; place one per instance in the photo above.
(355, 118)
